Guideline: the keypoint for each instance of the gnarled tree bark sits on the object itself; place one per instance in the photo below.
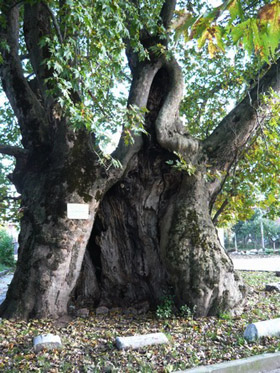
(158, 217)
(149, 230)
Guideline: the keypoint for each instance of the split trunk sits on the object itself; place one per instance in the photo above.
(149, 232)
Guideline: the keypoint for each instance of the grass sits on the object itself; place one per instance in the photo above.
(89, 344)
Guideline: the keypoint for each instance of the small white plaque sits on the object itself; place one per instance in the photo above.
(77, 210)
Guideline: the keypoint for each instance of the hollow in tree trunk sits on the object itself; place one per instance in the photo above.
(149, 230)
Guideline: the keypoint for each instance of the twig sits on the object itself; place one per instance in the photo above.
(14, 151)
(220, 210)
(2, 199)
(99, 106)
(54, 22)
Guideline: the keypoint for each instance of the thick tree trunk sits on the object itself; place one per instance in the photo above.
(125, 247)
(153, 234)
(201, 272)
(149, 231)
(52, 246)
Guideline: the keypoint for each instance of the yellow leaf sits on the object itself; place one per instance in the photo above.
(212, 49)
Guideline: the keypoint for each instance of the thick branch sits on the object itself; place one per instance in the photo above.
(219, 212)
(26, 106)
(14, 151)
(170, 131)
(36, 26)
(56, 26)
(235, 130)
(9, 198)
(141, 84)
(167, 12)
(138, 95)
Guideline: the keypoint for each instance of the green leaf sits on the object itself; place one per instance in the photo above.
(235, 10)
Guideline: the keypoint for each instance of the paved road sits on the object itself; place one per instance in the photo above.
(271, 263)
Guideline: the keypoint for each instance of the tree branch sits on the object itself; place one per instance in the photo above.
(9, 198)
(170, 131)
(138, 95)
(236, 129)
(220, 210)
(36, 26)
(56, 26)
(167, 12)
(14, 151)
(25, 104)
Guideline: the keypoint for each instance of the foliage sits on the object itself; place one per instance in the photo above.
(9, 130)
(2, 267)
(214, 84)
(181, 164)
(6, 249)
(90, 64)
(165, 309)
(186, 311)
(89, 344)
(9, 202)
(9, 135)
(255, 28)
(249, 232)
(271, 230)
(221, 51)
(225, 316)
(216, 81)
(213, 87)
(133, 123)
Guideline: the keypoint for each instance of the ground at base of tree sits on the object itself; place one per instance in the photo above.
(89, 344)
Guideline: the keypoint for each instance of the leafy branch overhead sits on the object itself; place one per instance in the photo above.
(255, 179)
(256, 30)
(77, 74)
(87, 74)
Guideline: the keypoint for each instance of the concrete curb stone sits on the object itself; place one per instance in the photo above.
(254, 364)
(138, 341)
(46, 341)
(267, 328)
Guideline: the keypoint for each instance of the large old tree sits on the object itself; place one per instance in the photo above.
(150, 230)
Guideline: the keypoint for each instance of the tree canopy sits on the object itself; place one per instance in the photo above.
(221, 50)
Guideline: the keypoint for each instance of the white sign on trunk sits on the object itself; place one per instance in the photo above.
(77, 211)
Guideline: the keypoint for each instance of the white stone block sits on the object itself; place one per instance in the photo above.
(138, 341)
(268, 328)
(46, 341)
